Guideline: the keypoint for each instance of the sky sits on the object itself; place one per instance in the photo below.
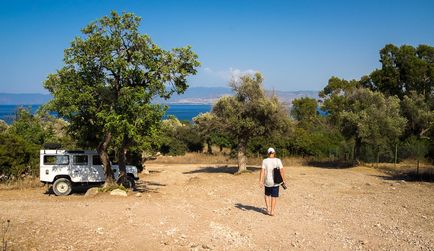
(296, 45)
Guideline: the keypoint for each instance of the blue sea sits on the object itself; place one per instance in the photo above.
(181, 111)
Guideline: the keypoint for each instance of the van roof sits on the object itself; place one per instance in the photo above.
(61, 151)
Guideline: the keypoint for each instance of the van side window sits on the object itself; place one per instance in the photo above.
(56, 160)
(80, 160)
(96, 160)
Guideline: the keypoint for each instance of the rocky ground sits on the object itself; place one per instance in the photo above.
(203, 207)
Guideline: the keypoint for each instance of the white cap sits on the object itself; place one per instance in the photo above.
(271, 150)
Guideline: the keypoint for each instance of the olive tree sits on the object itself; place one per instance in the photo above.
(110, 76)
(249, 113)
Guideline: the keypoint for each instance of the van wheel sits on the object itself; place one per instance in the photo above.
(62, 187)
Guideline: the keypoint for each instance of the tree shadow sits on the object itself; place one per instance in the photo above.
(410, 176)
(221, 169)
(154, 171)
(250, 208)
(328, 164)
(144, 186)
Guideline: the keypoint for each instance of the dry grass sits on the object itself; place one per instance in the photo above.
(24, 183)
(195, 158)
(220, 158)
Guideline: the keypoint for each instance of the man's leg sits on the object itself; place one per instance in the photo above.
(268, 203)
(273, 205)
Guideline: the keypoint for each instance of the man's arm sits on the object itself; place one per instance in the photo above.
(261, 177)
(282, 173)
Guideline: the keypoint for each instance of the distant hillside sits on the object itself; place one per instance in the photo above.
(287, 96)
(208, 95)
(23, 98)
(197, 95)
(193, 95)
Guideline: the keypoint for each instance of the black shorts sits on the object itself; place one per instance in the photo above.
(272, 191)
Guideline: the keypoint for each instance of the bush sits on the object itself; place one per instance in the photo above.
(17, 156)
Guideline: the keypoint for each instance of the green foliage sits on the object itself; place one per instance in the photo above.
(189, 135)
(250, 112)
(3, 126)
(176, 137)
(419, 114)
(335, 95)
(404, 70)
(414, 148)
(29, 127)
(363, 115)
(376, 118)
(304, 109)
(18, 156)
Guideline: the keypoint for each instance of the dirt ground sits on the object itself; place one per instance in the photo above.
(204, 207)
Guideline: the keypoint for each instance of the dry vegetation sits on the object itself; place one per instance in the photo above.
(219, 158)
(24, 183)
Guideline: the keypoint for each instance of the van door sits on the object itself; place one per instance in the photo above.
(81, 171)
(98, 168)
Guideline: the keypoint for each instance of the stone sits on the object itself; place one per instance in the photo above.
(205, 246)
(91, 192)
(118, 192)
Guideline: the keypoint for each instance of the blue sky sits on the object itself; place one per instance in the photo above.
(297, 45)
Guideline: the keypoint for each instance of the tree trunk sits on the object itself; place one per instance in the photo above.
(378, 156)
(241, 155)
(122, 155)
(103, 155)
(357, 149)
(143, 159)
(208, 143)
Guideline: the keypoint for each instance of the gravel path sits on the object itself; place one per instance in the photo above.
(200, 207)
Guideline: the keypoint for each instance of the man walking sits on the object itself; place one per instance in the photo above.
(266, 179)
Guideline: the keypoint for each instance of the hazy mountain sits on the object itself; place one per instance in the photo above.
(197, 95)
(193, 95)
(23, 98)
(208, 95)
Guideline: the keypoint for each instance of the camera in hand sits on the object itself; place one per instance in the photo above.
(284, 186)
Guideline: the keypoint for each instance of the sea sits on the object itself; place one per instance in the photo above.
(180, 111)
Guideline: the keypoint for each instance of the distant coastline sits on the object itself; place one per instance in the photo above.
(193, 95)
(180, 111)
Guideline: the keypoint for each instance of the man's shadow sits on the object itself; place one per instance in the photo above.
(250, 208)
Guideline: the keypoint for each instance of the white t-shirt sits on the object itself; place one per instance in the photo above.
(269, 164)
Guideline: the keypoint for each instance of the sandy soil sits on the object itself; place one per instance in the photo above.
(201, 207)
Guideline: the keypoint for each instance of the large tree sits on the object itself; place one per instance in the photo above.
(366, 117)
(403, 70)
(249, 113)
(110, 76)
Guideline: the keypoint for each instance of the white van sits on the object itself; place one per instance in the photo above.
(64, 169)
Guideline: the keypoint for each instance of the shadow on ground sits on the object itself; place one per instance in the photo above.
(76, 189)
(141, 187)
(147, 186)
(411, 176)
(331, 164)
(221, 169)
(250, 208)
